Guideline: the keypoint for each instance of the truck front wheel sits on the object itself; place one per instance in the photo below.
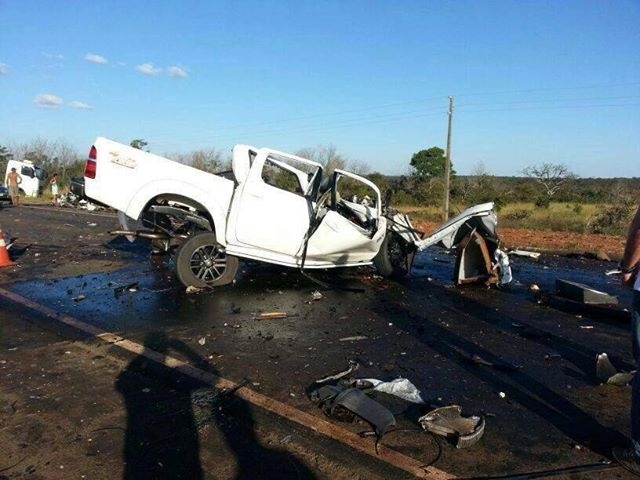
(394, 259)
(202, 262)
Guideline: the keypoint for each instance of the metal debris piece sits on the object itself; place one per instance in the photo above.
(583, 293)
(273, 315)
(524, 253)
(353, 366)
(449, 422)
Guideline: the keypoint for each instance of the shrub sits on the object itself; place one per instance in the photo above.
(613, 219)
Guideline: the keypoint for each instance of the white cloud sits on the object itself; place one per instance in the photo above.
(3, 69)
(53, 56)
(176, 71)
(93, 58)
(47, 100)
(148, 69)
(80, 105)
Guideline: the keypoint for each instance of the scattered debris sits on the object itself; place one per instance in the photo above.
(334, 400)
(353, 366)
(131, 287)
(607, 373)
(449, 422)
(79, 298)
(353, 338)
(583, 293)
(316, 295)
(534, 287)
(400, 387)
(202, 340)
(274, 315)
(498, 363)
(524, 253)
(191, 289)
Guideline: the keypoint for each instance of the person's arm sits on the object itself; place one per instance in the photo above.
(631, 256)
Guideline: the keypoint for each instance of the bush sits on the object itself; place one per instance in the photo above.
(613, 219)
(543, 201)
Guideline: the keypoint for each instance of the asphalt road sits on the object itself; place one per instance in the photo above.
(72, 402)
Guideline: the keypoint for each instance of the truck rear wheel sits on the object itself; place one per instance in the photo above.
(394, 259)
(201, 262)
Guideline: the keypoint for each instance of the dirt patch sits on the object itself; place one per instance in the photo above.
(546, 240)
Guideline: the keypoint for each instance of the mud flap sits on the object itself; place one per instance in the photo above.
(473, 262)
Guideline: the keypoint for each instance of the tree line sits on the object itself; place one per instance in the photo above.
(422, 185)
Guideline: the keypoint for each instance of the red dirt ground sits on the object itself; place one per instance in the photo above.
(546, 240)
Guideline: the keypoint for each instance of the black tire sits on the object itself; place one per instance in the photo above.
(394, 259)
(200, 262)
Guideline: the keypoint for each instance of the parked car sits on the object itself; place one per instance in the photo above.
(4, 195)
(76, 186)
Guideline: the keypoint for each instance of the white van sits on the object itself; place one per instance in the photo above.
(33, 177)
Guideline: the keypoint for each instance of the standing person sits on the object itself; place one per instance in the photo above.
(629, 458)
(12, 181)
(54, 188)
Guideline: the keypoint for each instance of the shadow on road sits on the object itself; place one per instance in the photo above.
(162, 439)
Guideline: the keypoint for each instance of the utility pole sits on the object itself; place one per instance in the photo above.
(447, 165)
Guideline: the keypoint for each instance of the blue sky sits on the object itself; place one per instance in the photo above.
(532, 81)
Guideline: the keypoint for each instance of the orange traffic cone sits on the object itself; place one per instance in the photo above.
(5, 261)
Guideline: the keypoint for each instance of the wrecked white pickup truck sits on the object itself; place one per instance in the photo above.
(273, 207)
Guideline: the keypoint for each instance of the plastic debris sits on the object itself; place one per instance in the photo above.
(400, 387)
(449, 422)
(607, 373)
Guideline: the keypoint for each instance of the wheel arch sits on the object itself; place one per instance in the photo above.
(197, 198)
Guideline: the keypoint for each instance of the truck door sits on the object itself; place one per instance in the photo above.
(350, 225)
(270, 210)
